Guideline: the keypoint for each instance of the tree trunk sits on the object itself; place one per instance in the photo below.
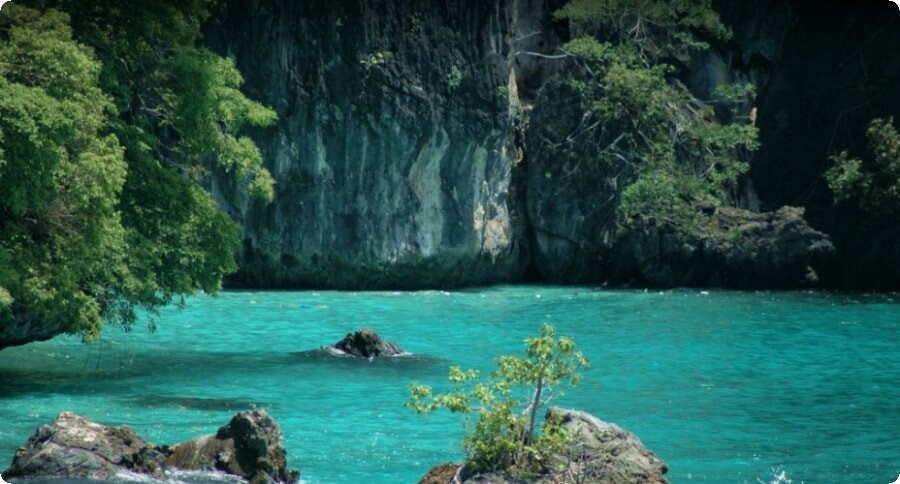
(535, 403)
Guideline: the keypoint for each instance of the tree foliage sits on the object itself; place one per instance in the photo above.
(504, 437)
(109, 116)
(670, 146)
(875, 182)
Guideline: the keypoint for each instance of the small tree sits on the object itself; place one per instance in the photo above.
(503, 437)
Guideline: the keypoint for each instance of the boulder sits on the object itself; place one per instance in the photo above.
(598, 453)
(75, 447)
(249, 447)
(603, 452)
(365, 343)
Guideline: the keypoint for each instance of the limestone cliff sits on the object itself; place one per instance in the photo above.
(417, 146)
(394, 151)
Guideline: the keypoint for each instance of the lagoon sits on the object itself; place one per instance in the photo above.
(723, 386)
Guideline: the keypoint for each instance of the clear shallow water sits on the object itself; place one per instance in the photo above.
(724, 387)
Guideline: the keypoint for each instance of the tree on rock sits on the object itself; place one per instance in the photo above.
(504, 437)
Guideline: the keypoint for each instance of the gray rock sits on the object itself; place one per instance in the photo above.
(76, 447)
(604, 453)
(250, 446)
(365, 343)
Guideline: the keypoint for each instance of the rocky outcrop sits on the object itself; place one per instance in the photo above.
(598, 453)
(732, 248)
(75, 447)
(604, 453)
(578, 238)
(250, 446)
(365, 343)
(394, 149)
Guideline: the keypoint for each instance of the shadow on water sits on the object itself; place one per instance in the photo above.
(179, 368)
(326, 357)
(196, 403)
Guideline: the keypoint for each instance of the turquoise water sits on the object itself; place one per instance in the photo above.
(724, 386)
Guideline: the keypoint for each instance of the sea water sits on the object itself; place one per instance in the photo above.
(723, 386)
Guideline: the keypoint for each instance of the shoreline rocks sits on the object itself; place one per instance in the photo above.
(365, 343)
(249, 446)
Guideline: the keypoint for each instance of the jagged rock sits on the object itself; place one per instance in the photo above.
(365, 343)
(441, 474)
(600, 453)
(249, 447)
(74, 446)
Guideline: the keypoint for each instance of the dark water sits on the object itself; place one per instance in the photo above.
(724, 386)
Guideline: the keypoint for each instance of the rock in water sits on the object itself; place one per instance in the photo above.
(366, 343)
(598, 453)
(249, 447)
(604, 453)
(74, 446)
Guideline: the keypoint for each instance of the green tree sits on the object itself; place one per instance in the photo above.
(504, 436)
(111, 115)
(875, 183)
(62, 175)
(671, 147)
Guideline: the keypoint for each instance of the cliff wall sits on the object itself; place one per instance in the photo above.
(418, 146)
(395, 149)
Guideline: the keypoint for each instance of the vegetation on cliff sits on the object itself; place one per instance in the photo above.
(873, 183)
(673, 150)
(110, 114)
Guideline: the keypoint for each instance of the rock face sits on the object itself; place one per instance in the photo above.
(394, 150)
(740, 249)
(599, 453)
(249, 447)
(605, 453)
(366, 343)
(403, 158)
(75, 447)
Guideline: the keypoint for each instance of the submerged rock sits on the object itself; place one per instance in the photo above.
(599, 453)
(75, 447)
(365, 343)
